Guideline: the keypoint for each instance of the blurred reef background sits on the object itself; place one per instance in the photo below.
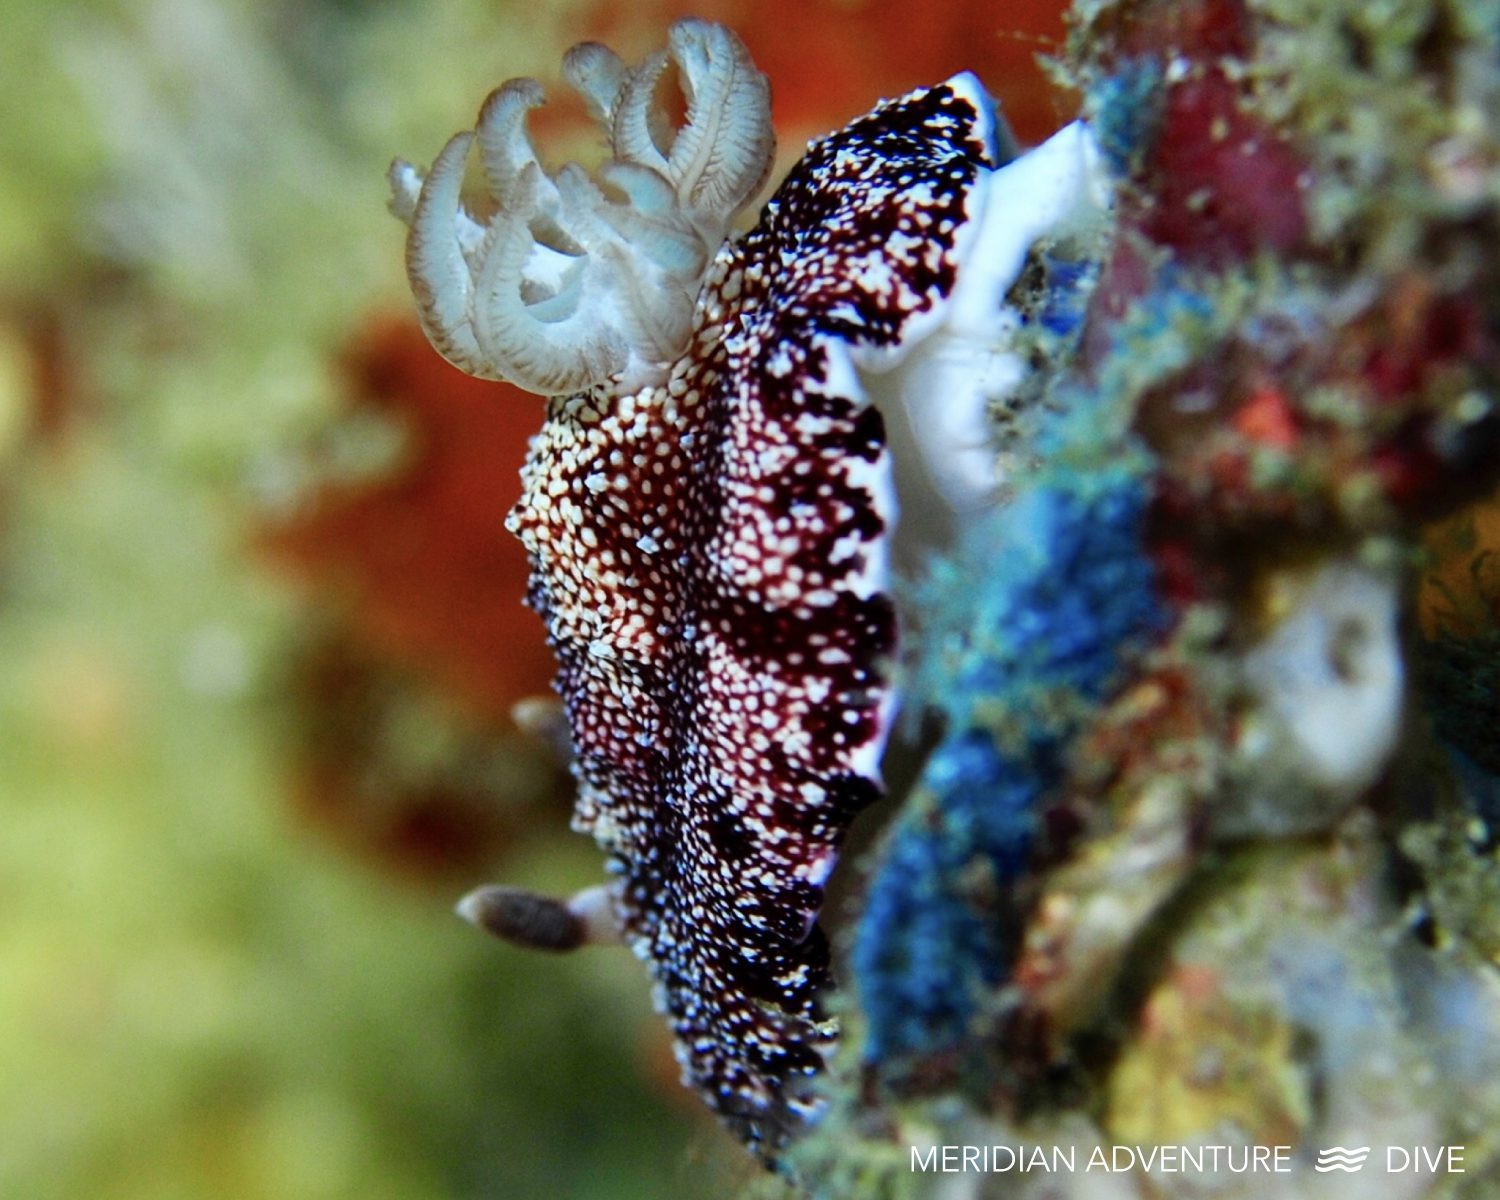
(1209, 852)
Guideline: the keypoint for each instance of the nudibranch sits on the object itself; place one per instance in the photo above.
(708, 506)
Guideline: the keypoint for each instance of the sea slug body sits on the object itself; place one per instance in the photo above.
(709, 505)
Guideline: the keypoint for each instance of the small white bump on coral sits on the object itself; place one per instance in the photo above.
(579, 279)
(1328, 681)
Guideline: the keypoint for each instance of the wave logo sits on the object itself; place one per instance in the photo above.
(1341, 1158)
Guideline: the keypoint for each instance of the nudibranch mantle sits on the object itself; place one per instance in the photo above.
(708, 516)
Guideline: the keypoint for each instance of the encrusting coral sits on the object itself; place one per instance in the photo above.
(1244, 862)
(1030, 624)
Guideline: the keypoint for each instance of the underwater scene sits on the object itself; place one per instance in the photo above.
(772, 601)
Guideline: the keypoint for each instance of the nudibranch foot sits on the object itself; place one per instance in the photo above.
(575, 281)
(938, 397)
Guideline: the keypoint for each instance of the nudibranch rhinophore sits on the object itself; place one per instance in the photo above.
(709, 505)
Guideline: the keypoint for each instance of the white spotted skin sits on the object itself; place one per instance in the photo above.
(711, 555)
